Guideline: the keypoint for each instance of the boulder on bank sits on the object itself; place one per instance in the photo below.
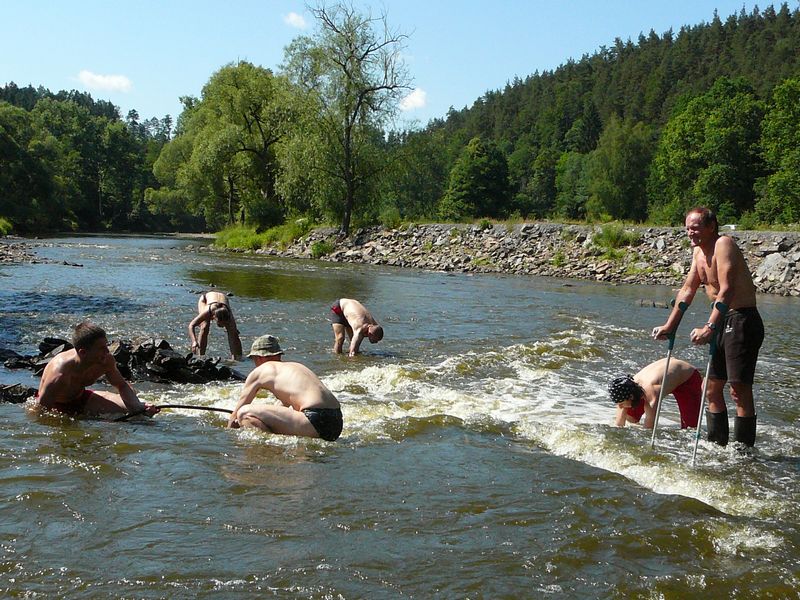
(143, 360)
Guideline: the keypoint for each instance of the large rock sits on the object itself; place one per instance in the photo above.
(143, 360)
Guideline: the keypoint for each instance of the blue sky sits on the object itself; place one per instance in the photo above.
(145, 55)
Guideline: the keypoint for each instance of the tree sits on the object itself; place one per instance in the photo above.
(354, 74)
(478, 183)
(617, 171)
(224, 161)
(709, 154)
(572, 185)
(780, 201)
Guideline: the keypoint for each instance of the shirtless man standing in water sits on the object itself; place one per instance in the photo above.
(308, 408)
(66, 377)
(351, 318)
(213, 306)
(718, 263)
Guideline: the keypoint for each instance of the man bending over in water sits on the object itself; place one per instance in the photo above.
(350, 317)
(638, 395)
(213, 306)
(65, 378)
(308, 408)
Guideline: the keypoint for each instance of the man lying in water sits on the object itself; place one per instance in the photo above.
(65, 379)
(308, 408)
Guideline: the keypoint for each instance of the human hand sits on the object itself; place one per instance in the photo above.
(661, 333)
(700, 335)
(150, 409)
(233, 421)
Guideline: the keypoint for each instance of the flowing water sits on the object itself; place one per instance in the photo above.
(477, 460)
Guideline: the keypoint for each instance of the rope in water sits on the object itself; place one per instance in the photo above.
(185, 406)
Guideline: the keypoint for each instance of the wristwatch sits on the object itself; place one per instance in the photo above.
(711, 326)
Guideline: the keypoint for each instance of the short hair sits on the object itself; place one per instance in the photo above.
(222, 314)
(707, 216)
(377, 333)
(86, 334)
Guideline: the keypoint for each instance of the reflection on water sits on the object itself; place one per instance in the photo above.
(477, 439)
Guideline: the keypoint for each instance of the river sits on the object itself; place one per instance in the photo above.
(477, 460)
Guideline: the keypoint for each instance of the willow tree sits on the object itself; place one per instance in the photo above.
(224, 159)
(352, 70)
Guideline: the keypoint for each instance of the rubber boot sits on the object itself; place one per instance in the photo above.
(718, 430)
(744, 430)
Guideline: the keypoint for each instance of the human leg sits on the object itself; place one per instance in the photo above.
(338, 337)
(717, 413)
(276, 419)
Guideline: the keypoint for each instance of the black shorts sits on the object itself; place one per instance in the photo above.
(337, 315)
(737, 346)
(327, 421)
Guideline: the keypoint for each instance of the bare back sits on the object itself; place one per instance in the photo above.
(650, 377)
(64, 378)
(356, 313)
(294, 384)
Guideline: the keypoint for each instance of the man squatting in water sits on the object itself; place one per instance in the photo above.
(308, 408)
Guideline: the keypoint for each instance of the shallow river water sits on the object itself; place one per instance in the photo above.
(477, 460)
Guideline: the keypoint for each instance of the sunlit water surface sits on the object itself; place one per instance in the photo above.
(477, 460)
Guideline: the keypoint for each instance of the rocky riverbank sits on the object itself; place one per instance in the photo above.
(655, 256)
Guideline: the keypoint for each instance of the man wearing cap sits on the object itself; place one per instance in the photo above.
(638, 395)
(351, 318)
(308, 408)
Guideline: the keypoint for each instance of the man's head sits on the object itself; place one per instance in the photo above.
(701, 224)
(222, 314)
(90, 341)
(374, 333)
(624, 388)
(266, 347)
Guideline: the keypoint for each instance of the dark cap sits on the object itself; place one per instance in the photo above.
(266, 345)
(623, 387)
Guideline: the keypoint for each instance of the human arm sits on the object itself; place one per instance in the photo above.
(251, 387)
(621, 417)
(725, 255)
(682, 301)
(234, 341)
(358, 337)
(203, 316)
(126, 391)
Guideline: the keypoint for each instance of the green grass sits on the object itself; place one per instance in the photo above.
(320, 249)
(614, 235)
(248, 239)
(558, 260)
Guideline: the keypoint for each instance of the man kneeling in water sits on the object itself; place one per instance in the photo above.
(309, 408)
(64, 381)
(638, 395)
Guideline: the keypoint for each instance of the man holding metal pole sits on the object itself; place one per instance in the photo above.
(719, 265)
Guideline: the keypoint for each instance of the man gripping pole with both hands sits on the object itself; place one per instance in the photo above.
(718, 264)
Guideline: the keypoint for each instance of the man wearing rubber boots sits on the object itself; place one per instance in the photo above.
(718, 264)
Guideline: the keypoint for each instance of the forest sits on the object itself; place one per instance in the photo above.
(639, 131)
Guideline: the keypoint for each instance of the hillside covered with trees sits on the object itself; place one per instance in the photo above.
(639, 131)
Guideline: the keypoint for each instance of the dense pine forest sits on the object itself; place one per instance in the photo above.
(638, 131)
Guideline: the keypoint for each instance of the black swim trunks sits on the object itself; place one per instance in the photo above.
(337, 315)
(737, 346)
(327, 421)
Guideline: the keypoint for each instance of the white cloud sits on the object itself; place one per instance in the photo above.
(295, 20)
(418, 98)
(106, 83)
